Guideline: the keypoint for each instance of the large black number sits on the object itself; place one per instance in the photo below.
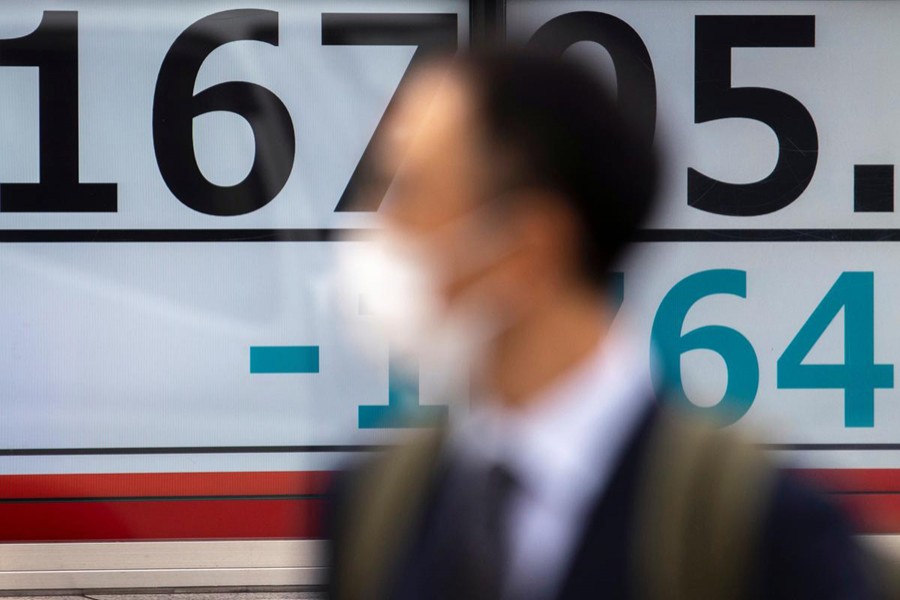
(53, 49)
(714, 98)
(175, 105)
(430, 33)
(635, 79)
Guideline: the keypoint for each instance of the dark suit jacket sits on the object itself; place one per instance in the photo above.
(805, 547)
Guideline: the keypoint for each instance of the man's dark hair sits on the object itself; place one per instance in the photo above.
(559, 123)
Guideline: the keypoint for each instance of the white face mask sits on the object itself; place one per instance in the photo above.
(395, 283)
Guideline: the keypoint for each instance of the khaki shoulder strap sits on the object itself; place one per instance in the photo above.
(700, 500)
(384, 502)
(884, 570)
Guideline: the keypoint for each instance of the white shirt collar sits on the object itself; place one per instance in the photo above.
(563, 446)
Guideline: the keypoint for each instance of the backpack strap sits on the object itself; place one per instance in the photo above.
(386, 497)
(883, 570)
(700, 499)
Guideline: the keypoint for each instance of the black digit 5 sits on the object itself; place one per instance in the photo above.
(714, 98)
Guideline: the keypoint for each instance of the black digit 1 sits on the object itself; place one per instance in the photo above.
(430, 33)
(714, 98)
(175, 105)
(635, 79)
(53, 49)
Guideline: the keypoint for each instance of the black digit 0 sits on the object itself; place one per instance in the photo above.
(714, 98)
(635, 79)
(53, 49)
(430, 33)
(175, 105)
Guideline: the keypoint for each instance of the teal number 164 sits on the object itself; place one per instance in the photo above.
(858, 376)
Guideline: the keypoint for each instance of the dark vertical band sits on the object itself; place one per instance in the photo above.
(487, 23)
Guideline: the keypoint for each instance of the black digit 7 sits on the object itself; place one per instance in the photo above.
(430, 33)
(175, 105)
(53, 49)
(714, 98)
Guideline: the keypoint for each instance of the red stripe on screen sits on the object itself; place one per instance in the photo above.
(161, 520)
(121, 485)
(853, 480)
(195, 506)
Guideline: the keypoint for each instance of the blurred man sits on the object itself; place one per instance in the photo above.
(518, 186)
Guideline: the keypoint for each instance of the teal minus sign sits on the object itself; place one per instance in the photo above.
(284, 359)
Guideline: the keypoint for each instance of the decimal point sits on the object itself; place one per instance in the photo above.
(873, 188)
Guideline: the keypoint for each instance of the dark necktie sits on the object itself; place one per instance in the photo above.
(484, 535)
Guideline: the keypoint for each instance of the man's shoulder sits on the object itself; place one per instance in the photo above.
(808, 548)
(373, 484)
(737, 507)
(371, 511)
